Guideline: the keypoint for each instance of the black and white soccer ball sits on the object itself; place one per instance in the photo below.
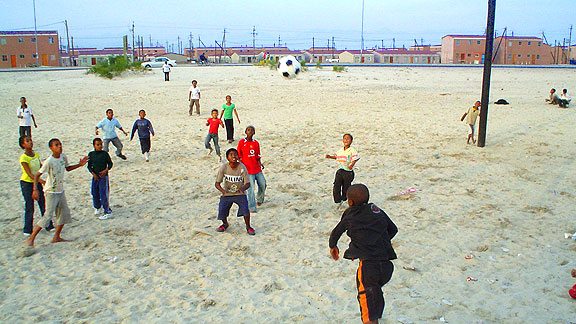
(288, 66)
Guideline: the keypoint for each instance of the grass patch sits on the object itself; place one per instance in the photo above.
(337, 68)
(303, 66)
(115, 66)
(318, 66)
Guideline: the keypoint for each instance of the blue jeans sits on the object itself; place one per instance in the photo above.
(100, 194)
(259, 178)
(214, 137)
(27, 188)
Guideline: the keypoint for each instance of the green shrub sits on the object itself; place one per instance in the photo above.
(318, 66)
(303, 67)
(337, 68)
(114, 66)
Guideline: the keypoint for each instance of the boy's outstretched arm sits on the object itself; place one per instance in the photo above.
(333, 240)
(82, 162)
(463, 116)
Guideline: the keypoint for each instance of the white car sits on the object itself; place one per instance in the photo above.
(158, 62)
(332, 60)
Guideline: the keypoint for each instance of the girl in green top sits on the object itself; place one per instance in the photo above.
(30, 163)
(227, 110)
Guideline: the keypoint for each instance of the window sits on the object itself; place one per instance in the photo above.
(539, 43)
(529, 43)
(22, 56)
(509, 56)
(478, 42)
(33, 39)
(519, 55)
(470, 42)
(52, 57)
(51, 40)
(20, 39)
(457, 42)
(34, 55)
(537, 57)
(510, 44)
(4, 58)
(519, 43)
(528, 55)
(476, 55)
(469, 54)
(2, 41)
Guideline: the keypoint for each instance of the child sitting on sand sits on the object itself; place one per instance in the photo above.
(346, 158)
(370, 231)
(144, 127)
(99, 163)
(232, 181)
(56, 205)
(471, 116)
(214, 123)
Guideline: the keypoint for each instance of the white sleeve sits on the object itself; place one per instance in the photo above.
(31, 113)
(44, 167)
(18, 114)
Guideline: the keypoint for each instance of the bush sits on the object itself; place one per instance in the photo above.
(303, 66)
(114, 66)
(318, 66)
(337, 68)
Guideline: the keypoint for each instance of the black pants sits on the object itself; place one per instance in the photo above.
(27, 188)
(563, 103)
(26, 131)
(166, 76)
(342, 182)
(370, 278)
(145, 145)
(229, 123)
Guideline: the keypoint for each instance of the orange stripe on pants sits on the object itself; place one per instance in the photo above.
(362, 296)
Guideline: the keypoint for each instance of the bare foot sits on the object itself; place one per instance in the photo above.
(258, 204)
(210, 152)
(29, 242)
(56, 240)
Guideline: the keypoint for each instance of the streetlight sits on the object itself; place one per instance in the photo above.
(35, 31)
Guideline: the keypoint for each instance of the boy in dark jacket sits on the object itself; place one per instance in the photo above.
(370, 231)
(99, 164)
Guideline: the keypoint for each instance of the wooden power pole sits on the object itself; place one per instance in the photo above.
(487, 73)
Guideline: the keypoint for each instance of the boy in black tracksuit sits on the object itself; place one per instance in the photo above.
(370, 231)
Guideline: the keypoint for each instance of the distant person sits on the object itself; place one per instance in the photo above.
(25, 118)
(194, 98)
(203, 59)
(346, 158)
(99, 163)
(214, 122)
(471, 115)
(249, 153)
(144, 128)
(232, 181)
(227, 109)
(166, 70)
(30, 163)
(109, 125)
(564, 99)
(370, 231)
(553, 100)
(56, 205)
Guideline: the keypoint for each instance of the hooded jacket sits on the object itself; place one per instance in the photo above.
(370, 231)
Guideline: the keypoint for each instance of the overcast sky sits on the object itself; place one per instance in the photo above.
(103, 23)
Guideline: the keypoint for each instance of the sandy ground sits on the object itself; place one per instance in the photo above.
(160, 260)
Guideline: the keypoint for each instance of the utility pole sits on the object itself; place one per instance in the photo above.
(313, 55)
(570, 46)
(178, 44)
(393, 42)
(133, 53)
(254, 43)
(68, 42)
(224, 43)
(35, 32)
(150, 42)
(73, 63)
(332, 46)
(382, 44)
(190, 49)
(487, 72)
(362, 35)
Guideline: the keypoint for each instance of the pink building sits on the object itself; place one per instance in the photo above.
(18, 48)
(522, 50)
(463, 49)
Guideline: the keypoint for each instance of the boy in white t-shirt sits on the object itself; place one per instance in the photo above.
(56, 205)
(166, 70)
(194, 98)
(26, 117)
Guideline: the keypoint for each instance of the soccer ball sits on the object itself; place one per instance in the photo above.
(288, 66)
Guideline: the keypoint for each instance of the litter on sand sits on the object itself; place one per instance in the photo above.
(410, 190)
(570, 236)
(471, 279)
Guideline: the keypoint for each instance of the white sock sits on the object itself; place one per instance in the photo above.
(146, 155)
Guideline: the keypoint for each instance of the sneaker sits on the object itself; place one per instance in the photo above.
(122, 156)
(105, 216)
(250, 231)
(222, 228)
(27, 234)
(96, 211)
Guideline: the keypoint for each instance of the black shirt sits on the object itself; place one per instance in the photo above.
(99, 161)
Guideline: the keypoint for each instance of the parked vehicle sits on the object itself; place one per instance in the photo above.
(158, 62)
(332, 60)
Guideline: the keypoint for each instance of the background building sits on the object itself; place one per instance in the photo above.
(18, 48)
(522, 50)
(463, 49)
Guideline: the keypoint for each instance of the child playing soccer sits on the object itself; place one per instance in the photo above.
(109, 125)
(26, 118)
(214, 123)
(370, 231)
(144, 127)
(194, 98)
(232, 181)
(56, 205)
(471, 116)
(30, 163)
(227, 109)
(346, 158)
(249, 153)
(99, 163)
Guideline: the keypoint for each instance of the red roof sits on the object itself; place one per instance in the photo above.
(404, 52)
(465, 36)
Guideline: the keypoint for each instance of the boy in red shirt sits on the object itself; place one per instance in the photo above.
(213, 122)
(249, 153)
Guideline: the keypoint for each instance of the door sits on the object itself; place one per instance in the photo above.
(362, 59)
(429, 59)
(13, 60)
(320, 59)
(462, 58)
(93, 61)
(513, 59)
(411, 59)
(533, 59)
(44, 59)
(391, 59)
